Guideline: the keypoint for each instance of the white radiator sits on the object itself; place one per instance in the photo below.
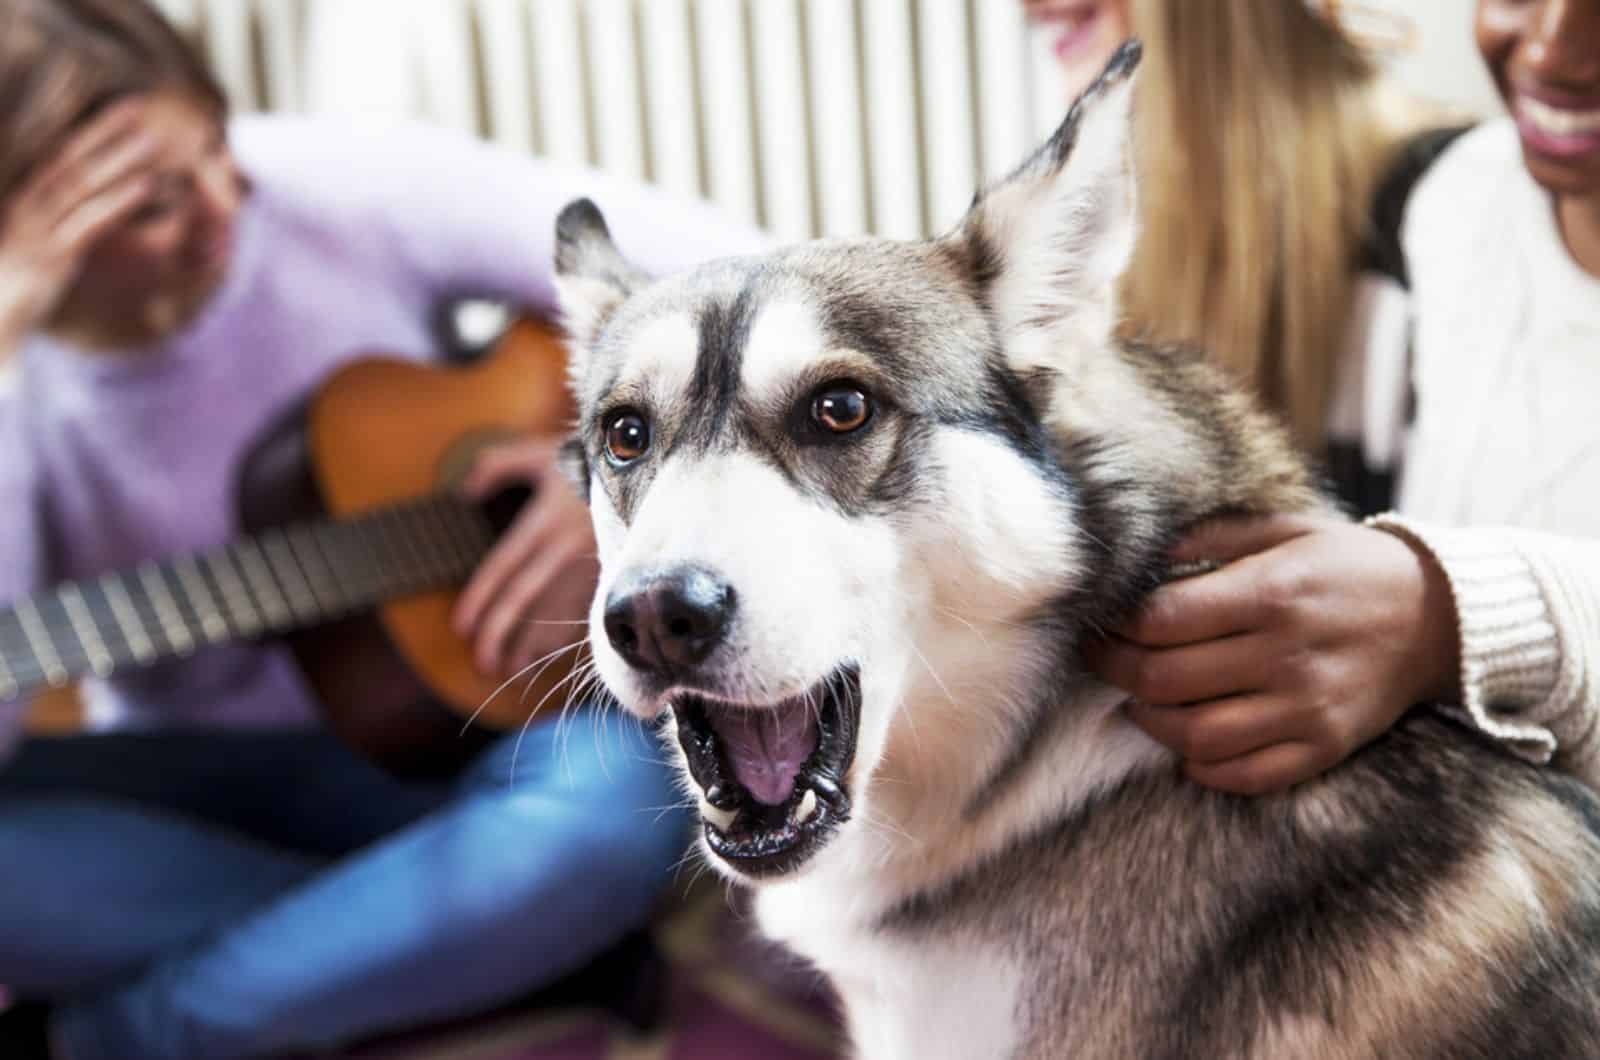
(811, 117)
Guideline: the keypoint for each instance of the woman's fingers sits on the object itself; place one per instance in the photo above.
(529, 595)
(1188, 674)
(1248, 745)
(103, 175)
(1292, 654)
(514, 607)
(131, 160)
(40, 257)
(92, 219)
(517, 463)
(85, 206)
(119, 123)
(516, 548)
(1225, 540)
(116, 133)
(115, 123)
(553, 641)
(1270, 769)
(1221, 729)
(1192, 610)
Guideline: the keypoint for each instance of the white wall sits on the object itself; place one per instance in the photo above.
(808, 116)
(1445, 63)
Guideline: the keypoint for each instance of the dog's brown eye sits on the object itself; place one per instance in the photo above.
(841, 409)
(627, 437)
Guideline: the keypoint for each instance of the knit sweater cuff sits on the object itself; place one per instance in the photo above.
(1510, 647)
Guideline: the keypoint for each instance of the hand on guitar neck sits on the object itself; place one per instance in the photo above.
(379, 432)
(357, 542)
(528, 601)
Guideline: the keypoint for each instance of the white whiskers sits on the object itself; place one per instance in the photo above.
(546, 660)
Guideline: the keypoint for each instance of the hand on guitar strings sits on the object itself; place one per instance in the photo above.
(530, 597)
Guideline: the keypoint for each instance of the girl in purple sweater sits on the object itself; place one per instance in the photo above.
(209, 874)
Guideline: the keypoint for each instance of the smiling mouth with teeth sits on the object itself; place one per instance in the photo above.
(1560, 131)
(773, 776)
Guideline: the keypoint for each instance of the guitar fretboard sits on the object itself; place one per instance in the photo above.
(281, 580)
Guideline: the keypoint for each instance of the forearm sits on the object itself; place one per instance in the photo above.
(1528, 626)
(17, 315)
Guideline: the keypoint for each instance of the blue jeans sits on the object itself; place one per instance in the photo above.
(215, 894)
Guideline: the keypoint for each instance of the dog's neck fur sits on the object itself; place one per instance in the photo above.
(920, 826)
(997, 874)
(955, 787)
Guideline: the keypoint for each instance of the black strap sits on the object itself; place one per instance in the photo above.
(1381, 251)
(1363, 489)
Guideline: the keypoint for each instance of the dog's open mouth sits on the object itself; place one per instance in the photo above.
(774, 774)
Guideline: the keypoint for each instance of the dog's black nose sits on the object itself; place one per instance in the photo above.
(669, 622)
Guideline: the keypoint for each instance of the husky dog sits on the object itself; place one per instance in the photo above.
(857, 502)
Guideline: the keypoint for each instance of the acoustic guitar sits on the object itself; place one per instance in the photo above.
(355, 548)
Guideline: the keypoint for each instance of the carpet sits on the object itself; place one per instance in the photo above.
(730, 997)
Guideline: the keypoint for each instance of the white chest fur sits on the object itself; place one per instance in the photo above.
(952, 1000)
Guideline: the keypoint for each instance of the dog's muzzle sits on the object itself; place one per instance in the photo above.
(774, 776)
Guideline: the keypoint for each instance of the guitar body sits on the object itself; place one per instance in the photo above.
(399, 684)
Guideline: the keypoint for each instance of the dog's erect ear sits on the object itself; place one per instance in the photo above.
(1050, 241)
(592, 276)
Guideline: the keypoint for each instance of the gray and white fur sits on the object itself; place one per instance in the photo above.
(999, 864)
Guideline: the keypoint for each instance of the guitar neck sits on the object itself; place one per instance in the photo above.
(285, 579)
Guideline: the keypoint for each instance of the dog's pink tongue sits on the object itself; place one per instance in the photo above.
(767, 747)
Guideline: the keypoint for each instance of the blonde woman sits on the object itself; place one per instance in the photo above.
(1264, 133)
(1277, 164)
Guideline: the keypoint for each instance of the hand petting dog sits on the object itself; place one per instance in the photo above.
(1313, 639)
(530, 596)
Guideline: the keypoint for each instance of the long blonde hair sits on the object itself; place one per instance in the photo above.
(1262, 134)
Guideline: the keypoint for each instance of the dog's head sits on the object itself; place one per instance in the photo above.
(811, 471)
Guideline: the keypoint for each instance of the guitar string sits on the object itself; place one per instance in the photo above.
(202, 601)
(456, 532)
(244, 618)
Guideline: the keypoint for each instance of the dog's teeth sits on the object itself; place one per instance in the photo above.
(807, 808)
(824, 784)
(721, 820)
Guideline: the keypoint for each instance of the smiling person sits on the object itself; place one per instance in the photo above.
(1266, 134)
(1482, 592)
(217, 876)
(1083, 34)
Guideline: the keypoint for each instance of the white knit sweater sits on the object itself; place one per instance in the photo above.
(1500, 477)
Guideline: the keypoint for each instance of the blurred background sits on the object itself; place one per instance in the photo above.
(810, 117)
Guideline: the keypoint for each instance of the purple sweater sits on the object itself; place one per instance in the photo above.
(349, 240)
